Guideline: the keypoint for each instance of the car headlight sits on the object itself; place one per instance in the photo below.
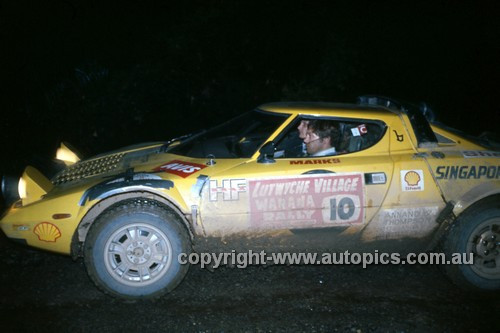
(21, 188)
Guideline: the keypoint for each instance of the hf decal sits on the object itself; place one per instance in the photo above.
(229, 189)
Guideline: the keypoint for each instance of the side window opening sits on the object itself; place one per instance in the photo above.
(443, 140)
(422, 129)
(350, 135)
(356, 136)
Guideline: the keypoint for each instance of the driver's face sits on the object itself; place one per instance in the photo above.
(313, 143)
(303, 128)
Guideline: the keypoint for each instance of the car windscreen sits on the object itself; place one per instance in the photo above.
(239, 137)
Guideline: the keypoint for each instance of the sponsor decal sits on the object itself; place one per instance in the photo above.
(180, 168)
(412, 180)
(307, 201)
(407, 222)
(359, 130)
(399, 137)
(47, 232)
(480, 153)
(229, 189)
(323, 161)
(468, 172)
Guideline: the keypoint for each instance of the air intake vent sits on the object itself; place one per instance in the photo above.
(89, 168)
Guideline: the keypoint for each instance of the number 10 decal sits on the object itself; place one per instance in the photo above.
(341, 209)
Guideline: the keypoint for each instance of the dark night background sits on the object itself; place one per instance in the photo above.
(102, 75)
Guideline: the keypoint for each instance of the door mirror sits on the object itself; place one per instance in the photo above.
(267, 153)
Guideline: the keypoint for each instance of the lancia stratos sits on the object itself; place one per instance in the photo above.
(392, 181)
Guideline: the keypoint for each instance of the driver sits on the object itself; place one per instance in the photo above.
(320, 137)
(302, 129)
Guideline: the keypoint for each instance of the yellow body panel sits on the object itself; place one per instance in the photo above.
(21, 223)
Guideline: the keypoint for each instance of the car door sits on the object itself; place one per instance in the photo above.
(413, 201)
(288, 196)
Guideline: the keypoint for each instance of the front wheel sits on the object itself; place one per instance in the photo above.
(476, 233)
(131, 250)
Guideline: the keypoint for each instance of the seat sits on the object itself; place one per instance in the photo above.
(355, 143)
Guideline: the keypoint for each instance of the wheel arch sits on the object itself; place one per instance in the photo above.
(449, 216)
(484, 202)
(98, 208)
(477, 195)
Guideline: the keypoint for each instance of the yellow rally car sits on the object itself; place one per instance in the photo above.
(391, 182)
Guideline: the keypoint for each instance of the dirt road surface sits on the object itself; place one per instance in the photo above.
(44, 292)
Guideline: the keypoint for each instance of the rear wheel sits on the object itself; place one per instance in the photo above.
(476, 233)
(131, 250)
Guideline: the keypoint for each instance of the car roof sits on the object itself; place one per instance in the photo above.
(326, 109)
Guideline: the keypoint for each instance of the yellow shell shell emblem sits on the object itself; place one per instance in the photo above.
(412, 178)
(47, 232)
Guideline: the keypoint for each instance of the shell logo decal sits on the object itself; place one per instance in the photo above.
(412, 180)
(47, 232)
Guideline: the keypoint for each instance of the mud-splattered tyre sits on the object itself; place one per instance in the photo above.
(476, 232)
(131, 250)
